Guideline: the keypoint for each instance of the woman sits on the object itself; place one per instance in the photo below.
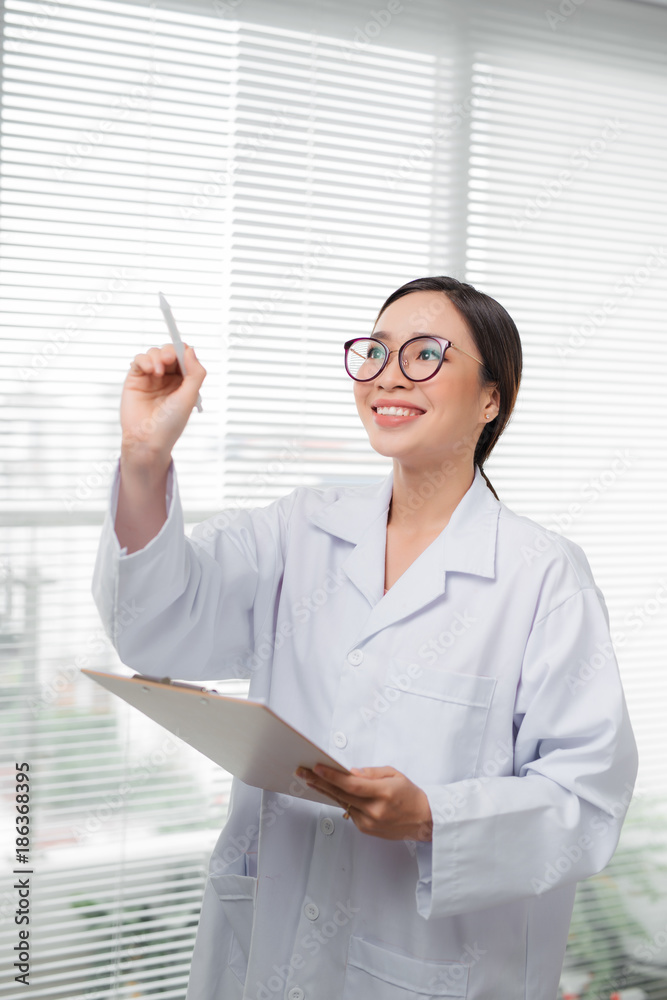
(454, 656)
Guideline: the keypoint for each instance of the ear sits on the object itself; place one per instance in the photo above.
(493, 400)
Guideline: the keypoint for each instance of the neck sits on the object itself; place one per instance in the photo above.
(423, 500)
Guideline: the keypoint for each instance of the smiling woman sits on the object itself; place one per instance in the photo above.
(437, 670)
(439, 406)
(459, 320)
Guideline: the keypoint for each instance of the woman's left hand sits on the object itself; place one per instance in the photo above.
(380, 800)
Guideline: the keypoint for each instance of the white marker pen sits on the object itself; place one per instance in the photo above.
(176, 339)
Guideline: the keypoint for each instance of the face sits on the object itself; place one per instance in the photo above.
(447, 412)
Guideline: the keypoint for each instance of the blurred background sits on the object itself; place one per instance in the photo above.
(277, 169)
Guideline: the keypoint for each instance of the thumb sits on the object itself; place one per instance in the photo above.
(193, 376)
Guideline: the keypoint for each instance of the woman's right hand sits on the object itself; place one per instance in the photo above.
(156, 403)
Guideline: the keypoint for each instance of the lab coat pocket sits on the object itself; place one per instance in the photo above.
(376, 973)
(431, 723)
(236, 893)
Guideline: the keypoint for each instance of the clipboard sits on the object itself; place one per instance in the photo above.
(246, 738)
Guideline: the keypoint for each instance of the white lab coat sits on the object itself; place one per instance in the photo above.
(486, 674)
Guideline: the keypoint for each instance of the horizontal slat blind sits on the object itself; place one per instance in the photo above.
(113, 116)
(567, 218)
(324, 186)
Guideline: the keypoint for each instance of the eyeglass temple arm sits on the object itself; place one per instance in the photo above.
(466, 353)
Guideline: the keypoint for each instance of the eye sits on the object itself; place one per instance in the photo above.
(429, 354)
(374, 352)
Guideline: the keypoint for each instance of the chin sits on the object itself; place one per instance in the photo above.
(390, 449)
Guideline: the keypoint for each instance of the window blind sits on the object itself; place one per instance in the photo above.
(277, 170)
(565, 226)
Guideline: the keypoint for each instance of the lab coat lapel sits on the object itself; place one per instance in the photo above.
(466, 545)
(360, 516)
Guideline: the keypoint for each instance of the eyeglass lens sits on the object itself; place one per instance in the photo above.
(420, 359)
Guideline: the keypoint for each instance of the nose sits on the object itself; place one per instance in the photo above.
(391, 376)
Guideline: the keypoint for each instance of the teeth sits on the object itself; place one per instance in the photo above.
(397, 411)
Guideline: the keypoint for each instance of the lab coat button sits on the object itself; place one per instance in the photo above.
(296, 993)
(327, 826)
(311, 911)
(340, 739)
(355, 657)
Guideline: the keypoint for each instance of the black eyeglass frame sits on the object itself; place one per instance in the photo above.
(445, 345)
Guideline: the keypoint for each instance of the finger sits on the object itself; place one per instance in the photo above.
(319, 784)
(164, 360)
(374, 772)
(344, 799)
(351, 784)
(142, 364)
(327, 777)
(194, 368)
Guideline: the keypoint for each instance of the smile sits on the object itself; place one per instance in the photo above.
(396, 411)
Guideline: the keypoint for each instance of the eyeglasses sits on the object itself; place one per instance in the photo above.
(419, 359)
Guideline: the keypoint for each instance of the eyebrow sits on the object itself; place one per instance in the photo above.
(382, 335)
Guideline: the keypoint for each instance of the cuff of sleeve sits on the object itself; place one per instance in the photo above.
(437, 858)
(424, 854)
(120, 579)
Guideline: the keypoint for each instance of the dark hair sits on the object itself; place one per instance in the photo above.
(497, 339)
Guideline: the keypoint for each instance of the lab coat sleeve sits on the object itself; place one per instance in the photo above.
(557, 818)
(191, 607)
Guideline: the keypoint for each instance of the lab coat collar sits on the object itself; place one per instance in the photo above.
(466, 545)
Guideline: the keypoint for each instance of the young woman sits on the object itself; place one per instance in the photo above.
(453, 655)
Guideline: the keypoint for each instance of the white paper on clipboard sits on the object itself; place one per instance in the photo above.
(246, 738)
